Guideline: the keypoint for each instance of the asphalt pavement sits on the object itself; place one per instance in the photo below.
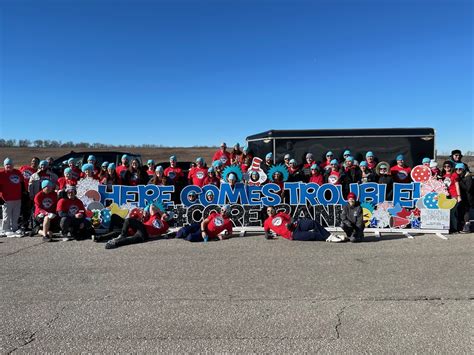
(247, 294)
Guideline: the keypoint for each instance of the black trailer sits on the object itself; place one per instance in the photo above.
(385, 143)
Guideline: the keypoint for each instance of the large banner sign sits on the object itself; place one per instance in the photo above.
(419, 205)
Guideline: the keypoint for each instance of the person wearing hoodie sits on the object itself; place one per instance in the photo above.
(466, 202)
(367, 174)
(352, 222)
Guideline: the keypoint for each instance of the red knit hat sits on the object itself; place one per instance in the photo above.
(351, 195)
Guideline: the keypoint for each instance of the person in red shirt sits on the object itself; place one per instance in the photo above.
(12, 188)
(45, 209)
(197, 175)
(173, 172)
(211, 178)
(67, 179)
(245, 154)
(210, 228)
(76, 172)
(43, 173)
(159, 177)
(326, 165)
(333, 176)
(245, 166)
(28, 170)
(88, 172)
(223, 155)
(370, 159)
(235, 155)
(446, 173)
(304, 229)
(316, 177)
(135, 175)
(453, 187)
(111, 177)
(401, 172)
(154, 224)
(122, 169)
(91, 164)
(73, 221)
(151, 168)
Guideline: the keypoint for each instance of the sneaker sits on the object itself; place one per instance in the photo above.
(333, 239)
(3, 234)
(170, 235)
(94, 238)
(20, 233)
(242, 233)
(68, 237)
(111, 244)
(10, 234)
(467, 228)
(47, 239)
(343, 238)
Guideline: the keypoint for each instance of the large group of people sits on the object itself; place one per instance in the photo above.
(35, 198)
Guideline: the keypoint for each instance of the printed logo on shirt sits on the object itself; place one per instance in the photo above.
(134, 177)
(200, 175)
(218, 221)
(157, 224)
(47, 203)
(447, 182)
(73, 210)
(14, 179)
(223, 159)
(277, 221)
(332, 179)
(172, 175)
(402, 175)
(27, 174)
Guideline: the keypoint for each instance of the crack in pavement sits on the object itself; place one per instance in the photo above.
(32, 337)
(21, 249)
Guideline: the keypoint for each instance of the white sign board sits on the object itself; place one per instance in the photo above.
(434, 219)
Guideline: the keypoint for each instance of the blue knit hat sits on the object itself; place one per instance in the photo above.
(400, 157)
(293, 161)
(159, 168)
(43, 163)
(334, 162)
(269, 155)
(150, 161)
(309, 156)
(210, 170)
(105, 164)
(125, 157)
(363, 163)
(45, 183)
(173, 158)
(350, 158)
(328, 154)
(91, 157)
(209, 192)
(425, 160)
(347, 152)
(369, 154)
(67, 171)
(200, 160)
(232, 176)
(460, 166)
(287, 156)
(111, 166)
(216, 163)
(8, 161)
(86, 167)
(314, 167)
(70, 160)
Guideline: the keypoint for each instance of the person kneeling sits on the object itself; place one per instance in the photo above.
(134, 231)
(73, 219)
(304, 229)
(352, 219)
(209, 228)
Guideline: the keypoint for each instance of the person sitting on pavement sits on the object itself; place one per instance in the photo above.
(210, 228)
(72, 213)
(135, 231)
(45, 210)
(352, 221)
(304, 229)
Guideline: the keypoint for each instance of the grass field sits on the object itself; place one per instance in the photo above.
(22, 156)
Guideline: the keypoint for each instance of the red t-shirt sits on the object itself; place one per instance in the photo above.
(76, 172)
(244, 168)
(10, 184)
(325, 165)
(452, 184)
(121, 170)
(174, 174)
(371, 165)
(197, 176)
(62, 182)
(45, 203)
(224, 157)
(70, 206)
(95, 175)
(400, 174)
(278, 223)
(218, 223)
(212, 181)
(334, 178)
(155, 226)
(27, 171)
(317, 179)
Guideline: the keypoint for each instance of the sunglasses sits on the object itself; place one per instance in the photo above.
(447, 166)
(383, 169)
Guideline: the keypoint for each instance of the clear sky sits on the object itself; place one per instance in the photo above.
(187, 73)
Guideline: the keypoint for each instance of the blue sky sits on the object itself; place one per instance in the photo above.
(186, 73)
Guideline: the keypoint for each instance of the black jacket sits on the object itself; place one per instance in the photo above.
(352, 215)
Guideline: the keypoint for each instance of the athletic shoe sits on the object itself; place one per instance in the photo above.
(20, 233)
(47, 239)
(10, 234)
(467, 228)
(242, 233)
(68, 237)
(111, 244)
(333, 239)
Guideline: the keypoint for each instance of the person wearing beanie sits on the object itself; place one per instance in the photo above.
(268, 162)
(123, 167)
(92, 165)
(352, 221)
(295, 173)
(26, 201)
(333, 175)
(367, 175)
(309, 161)
(435, 172)
(245, 154)
(235, 155)
(351, 174)
(175, 173)
(88, 172)
(211, 178)
(45, 210)
(466, 202)
(151, 168)
(28, 170)
(197, 175)
(383, 177)
(347, 153)
(245, 166)
(426, 162)
(76, 172)
(286, 160)
(12, 189)
(217, 226)
(103, 170)
(223, 155)
(153, 225)
(34, 185)
(303, 229)
(326, 164)
(72, 214)
(316, 177)
(111, 177)
(159, 178)
(371, 161)
(64, 181)
(401, 172)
